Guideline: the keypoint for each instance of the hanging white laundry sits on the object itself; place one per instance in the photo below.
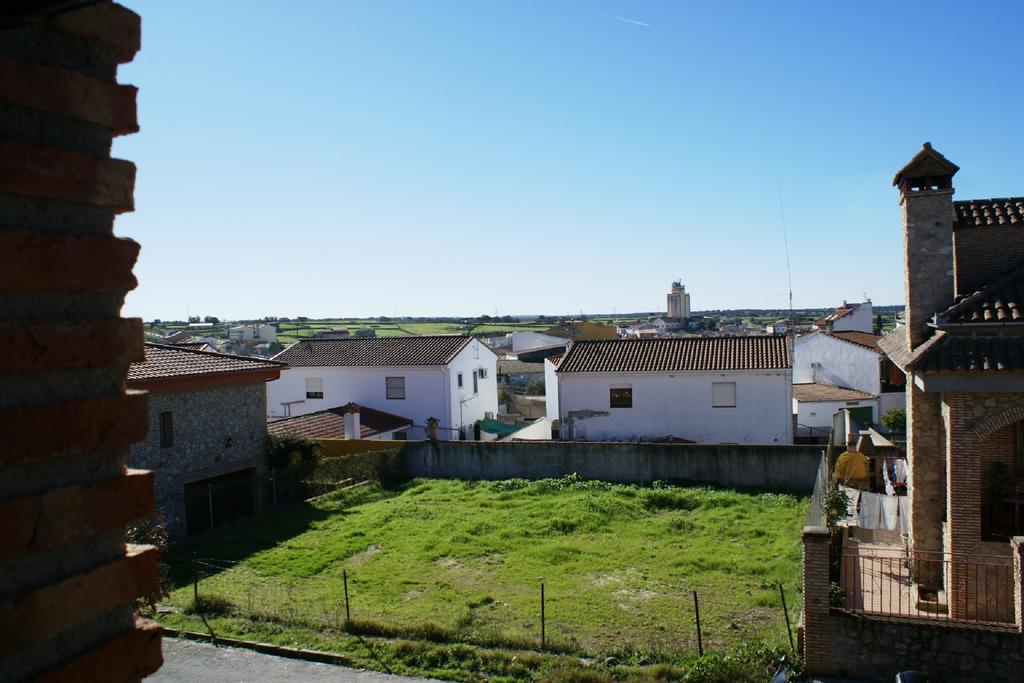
(901, 472)
(870, 510)
(890, 512)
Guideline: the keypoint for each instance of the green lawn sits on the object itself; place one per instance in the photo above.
(462, 562)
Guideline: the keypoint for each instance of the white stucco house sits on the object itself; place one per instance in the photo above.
(839, 370)
(452, 378)
(530, 341)
(551, 387)
(701, 389)
(849, 318)
(253, 332)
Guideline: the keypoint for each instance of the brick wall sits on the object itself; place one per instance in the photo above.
(200, 451)
(69, 580)
(982, 255)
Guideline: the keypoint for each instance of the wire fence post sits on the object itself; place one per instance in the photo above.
(348, 614)
(542, 634)
(195, 582)
(696, 611)
(785, 611)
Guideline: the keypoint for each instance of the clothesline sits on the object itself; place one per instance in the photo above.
(869, 510)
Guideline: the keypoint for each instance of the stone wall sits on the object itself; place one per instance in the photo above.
(217, 431)
(69, 580)
(778, 468)
(879, 648)
(926, 442)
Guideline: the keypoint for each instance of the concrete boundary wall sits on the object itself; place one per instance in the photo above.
(772, 467)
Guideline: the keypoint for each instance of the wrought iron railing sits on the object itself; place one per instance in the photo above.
(925, 585)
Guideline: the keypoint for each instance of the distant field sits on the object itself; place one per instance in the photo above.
(465, 560)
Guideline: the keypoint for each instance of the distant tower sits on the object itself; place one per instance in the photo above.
(678, 301)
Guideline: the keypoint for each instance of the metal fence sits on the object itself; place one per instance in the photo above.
(816, 510)
(222, 587)
(976, 589)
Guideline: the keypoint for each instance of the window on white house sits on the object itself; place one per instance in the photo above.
(166, 430)
(620, 397)
(723, 394)
(395, 387)
(460, 380)
(476, 384)
(314, 387)
(483, 373)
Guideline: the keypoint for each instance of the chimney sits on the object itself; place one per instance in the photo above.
(353, 427)
(926, 195)
(433, 425)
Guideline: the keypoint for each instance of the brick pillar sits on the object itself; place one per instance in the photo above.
(1017, 550)
(815, 600)
(69, 580)
(926, 482)
(963, 505)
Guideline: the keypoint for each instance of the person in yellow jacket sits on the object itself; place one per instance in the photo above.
(852, 469)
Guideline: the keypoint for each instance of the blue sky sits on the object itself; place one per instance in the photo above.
(457, 158)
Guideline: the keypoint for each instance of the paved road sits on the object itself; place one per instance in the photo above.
(190, 661)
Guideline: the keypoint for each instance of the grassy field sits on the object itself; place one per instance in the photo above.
(442, 564)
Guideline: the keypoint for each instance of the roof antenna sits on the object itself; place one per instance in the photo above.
(785, 244)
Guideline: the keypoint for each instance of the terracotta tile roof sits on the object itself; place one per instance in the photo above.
(816, 391)
(956, 353)
(981, 213)
(555, 360)
(193, 346)
(165, 361)
(375, 351)
(330, 424)
(763, 352)
(840, 312)
(999, 302)
(865, 339)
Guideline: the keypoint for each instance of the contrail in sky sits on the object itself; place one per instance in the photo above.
(628, 21)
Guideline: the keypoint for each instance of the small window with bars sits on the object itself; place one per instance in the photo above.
(395, 387)
(166, 430)
(620, 397)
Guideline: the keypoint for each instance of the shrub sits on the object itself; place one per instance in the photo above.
(895, 420)
(291, 450)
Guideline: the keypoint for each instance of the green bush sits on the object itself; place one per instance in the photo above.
(895, 420)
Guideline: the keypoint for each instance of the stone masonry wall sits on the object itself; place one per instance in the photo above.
(69, 580)
(879, 648)
(204, 420)
(927, 258)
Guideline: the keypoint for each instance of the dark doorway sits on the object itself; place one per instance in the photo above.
(212, 502)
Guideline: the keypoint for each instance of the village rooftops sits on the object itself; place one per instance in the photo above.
(330, 424)
(687, 354)
(865, 339)
(375, 351)
(818, 391)
(173, 367)
(841, 312)
(996, 304)
(981, 213)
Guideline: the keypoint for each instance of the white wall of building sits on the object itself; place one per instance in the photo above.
(539, 430)
(680, 404)
(891, 400)
(527, 341)
(550, 391)
(430, 391)
(254, 332)
(860, 319)
(839, 362)
(815, 417)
